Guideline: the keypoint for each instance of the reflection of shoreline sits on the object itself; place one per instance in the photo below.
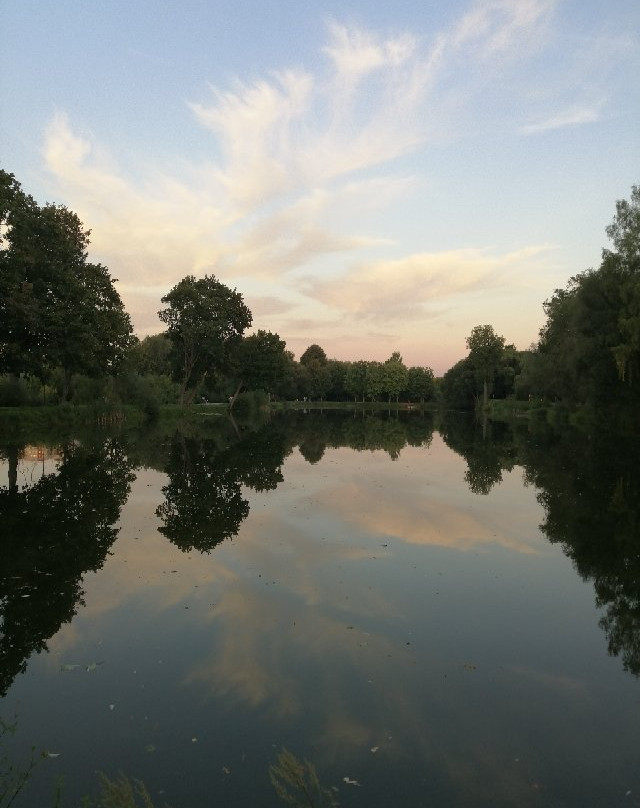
(34, 452)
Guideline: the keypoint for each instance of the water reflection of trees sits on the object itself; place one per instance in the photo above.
(204, 503)
(488, 449)
(589, 486)
(590, 490)
(53, 532)
(315, 432)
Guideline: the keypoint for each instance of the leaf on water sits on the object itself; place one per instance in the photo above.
(469, 666)
(149, 748)
(69, 667)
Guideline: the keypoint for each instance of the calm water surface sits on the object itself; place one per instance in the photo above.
(433, 615)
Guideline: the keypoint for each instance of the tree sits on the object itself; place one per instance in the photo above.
(485, 351)
(356, 380)
(459, 385)
(624, 231)
(420, 384)
(260, 362)
(152, 355)
(56, 309)
(394, 376)
(315, 378)
(205, 322)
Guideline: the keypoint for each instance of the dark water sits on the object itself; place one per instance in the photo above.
(431, 614)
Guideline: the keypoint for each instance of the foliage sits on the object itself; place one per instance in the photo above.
(259, 362)
(152, 355)
(459, 385)
(205, 322)
(420, 384)
(485, 352)
(297, 783)
(314, 353)
(589, 348)
(314, 376)
(56, 309)
(394, 376)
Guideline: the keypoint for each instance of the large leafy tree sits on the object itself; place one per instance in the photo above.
(589, 349)
(56, 308)
(205, 322)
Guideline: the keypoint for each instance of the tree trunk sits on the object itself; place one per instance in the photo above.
(66, 384)
(235, 395)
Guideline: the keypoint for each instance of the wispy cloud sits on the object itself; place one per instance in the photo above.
(400, 288)
(574, 116)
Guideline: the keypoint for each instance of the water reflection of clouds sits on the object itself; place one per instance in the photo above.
(419, 500)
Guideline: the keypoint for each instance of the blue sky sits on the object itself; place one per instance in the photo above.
(371, 177)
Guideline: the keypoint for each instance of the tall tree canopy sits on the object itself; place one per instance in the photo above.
(589, 348)
(205, 322)
(56, 309)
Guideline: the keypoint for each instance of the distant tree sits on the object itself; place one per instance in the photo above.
(314, 353)
(507, 372)
(394, 376)
(420, 384)
(337, 374)
(459, 385)
(205, 322)
(374, 380)
(314, 376)
(356, 380)
(624, 231)
(485, 352)
(152, 355)
(259, 362)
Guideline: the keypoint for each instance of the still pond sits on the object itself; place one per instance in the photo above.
(430, 612)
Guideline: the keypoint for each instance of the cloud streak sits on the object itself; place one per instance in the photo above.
(400, 288)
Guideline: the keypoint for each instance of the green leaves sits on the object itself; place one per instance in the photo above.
(56, 309)
(205, 321)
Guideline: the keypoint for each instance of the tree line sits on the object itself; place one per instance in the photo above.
(64, 332)
(64, 329)
(588, 353)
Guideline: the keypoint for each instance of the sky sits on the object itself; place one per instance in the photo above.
(371, 177)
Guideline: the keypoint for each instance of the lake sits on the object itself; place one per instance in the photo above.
(428, 610)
